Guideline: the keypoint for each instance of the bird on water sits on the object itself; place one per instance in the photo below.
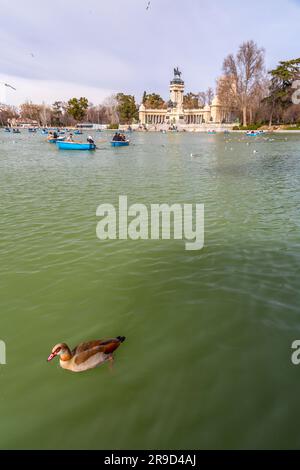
(87, 355)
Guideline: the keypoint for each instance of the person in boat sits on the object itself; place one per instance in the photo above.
(55, 135)
(122, 138)
(70, 138)
(90, 140)
(116, 137)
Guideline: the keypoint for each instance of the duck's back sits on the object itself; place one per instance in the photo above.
(92, 354)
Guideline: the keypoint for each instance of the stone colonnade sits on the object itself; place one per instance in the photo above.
(154, 119)
(161, 118)
(194, 119)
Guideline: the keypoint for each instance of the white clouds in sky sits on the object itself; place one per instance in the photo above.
(94, 47)
(48, 91)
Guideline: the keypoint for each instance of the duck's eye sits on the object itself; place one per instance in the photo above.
(58, 350)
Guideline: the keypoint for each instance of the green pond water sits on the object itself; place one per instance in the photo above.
(207, 357)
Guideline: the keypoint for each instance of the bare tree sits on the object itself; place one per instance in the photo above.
(45, 115)
(226, 94)
(245, 75)
(31, 111)
(7, 113)
(259, 92)
(97, 114)
(292, 114)
(202, 99)
(111, 105)
(209, 95)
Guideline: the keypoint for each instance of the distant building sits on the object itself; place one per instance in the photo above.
(91, 126)
(25, 123)
(176, 115)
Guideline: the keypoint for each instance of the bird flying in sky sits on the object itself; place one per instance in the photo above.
(9, 86)
(148, 5)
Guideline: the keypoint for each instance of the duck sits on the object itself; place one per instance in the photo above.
(86, 355)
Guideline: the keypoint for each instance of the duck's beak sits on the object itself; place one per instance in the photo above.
(52, 355)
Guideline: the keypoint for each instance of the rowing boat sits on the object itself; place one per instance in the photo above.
(253, 133)
(119, 143)
(75, 146)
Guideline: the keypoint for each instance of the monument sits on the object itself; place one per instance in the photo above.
(174, 114)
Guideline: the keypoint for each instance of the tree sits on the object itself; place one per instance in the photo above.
(292, 114)
(57, 113)
(111, 104)
(209, 96)
(191, 101)
(31, 111)
(127, 108)
(7, 113)
(154, 101)
(202, 99)
(280, 89)
(45, 115)
(255, 102)
(77, 108)
(97, 114)
(243, 74)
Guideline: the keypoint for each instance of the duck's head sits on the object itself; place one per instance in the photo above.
(59, 350)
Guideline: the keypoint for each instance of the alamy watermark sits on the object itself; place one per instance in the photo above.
(158, 222)
(296, 94)
(295, 358)
(2, 353)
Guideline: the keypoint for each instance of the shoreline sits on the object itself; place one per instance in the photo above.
(135, 128)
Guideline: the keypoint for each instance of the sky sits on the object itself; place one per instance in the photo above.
(54, 50)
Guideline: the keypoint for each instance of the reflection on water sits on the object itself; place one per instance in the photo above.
(207, 358)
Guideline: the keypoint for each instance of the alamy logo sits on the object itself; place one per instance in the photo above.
(136, 222)
(2, 353)
(296, 354)
(296, 94)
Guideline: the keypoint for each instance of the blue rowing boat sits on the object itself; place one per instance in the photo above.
(78, 132)
(253, 133)
(75, 146)
(119, 143)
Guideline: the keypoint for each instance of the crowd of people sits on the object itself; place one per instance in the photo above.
(119, 137)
